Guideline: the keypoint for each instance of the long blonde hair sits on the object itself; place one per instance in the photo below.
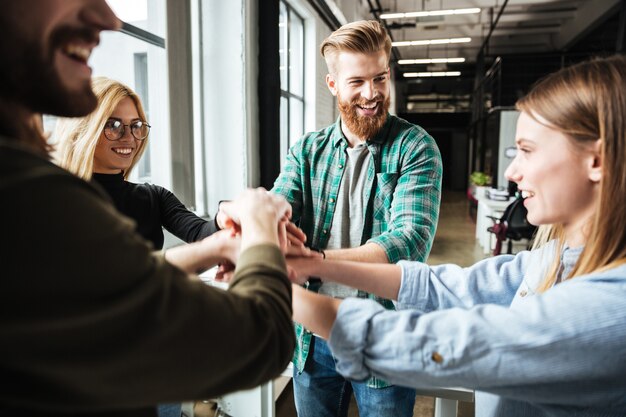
(76, 138)
(587, 102)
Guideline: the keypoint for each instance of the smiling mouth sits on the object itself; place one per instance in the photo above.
(80, 53)
(368, 107)
(527, 194)
(123, 151)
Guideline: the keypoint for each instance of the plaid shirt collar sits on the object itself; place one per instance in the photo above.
(380, 137)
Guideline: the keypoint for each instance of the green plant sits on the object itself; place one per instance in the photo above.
(480, 178)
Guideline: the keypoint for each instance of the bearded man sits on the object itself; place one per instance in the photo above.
(366, 189)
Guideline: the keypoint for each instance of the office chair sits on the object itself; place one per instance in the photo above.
(512, 226)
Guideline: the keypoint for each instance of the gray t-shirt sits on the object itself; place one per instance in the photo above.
(346, 230)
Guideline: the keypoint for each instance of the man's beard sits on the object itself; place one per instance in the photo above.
(29, 76)
(364, 127)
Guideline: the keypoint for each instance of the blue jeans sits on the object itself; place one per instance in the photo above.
(319, 391)
(169, 410)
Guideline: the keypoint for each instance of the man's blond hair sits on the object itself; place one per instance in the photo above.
(363, 36)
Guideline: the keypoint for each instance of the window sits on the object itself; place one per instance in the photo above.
(136, 56)
(291, 50)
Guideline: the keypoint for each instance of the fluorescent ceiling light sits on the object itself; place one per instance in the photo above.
(431, 42)
(429, 13)
(430, 61)
(432, 74)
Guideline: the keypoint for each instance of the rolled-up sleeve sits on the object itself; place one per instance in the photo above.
(562, 347)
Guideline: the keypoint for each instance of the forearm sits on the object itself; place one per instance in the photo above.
(381, 279)
(315, 312)
(194, 257)
(370, 252)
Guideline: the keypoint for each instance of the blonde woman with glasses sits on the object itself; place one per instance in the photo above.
(106, 145)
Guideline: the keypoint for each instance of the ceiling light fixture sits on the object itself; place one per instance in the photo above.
(430, 61)
(432, 74)
(447, 12)
(431, 42)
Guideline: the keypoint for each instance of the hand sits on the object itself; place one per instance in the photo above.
(295, 242)
(302, 252)
(226, 243)
(254, 204)
(301, 268)
(221, 217)
(260, 217)
(225, 272)
(295, 235)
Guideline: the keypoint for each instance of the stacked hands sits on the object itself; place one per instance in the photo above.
(257, 217)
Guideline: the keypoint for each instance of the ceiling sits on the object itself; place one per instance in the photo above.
(523, 27)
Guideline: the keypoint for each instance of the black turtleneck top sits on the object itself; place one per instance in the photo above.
(153, 207)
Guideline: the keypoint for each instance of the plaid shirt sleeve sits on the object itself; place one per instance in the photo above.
(412, 219)
(289, 182)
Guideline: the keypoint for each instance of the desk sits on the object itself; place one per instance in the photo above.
(486, 208)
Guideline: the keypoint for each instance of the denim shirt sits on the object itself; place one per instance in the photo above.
(559, 353)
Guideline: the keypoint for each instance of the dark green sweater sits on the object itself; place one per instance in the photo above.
(93, 322)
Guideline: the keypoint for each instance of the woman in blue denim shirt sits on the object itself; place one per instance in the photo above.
(541, 333)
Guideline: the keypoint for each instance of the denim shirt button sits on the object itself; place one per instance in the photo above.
(436, 357)
(523, 293)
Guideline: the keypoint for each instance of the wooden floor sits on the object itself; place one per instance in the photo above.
(454, 243)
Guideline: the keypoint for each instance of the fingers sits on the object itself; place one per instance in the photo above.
(295, 234)
(292, 274)
(225, 272)
(302, 252)
(283, 240)
(259, 205)
(301, 269)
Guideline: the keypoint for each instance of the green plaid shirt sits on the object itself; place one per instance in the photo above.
(403, 191)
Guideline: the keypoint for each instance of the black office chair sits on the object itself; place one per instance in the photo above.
(512, 226)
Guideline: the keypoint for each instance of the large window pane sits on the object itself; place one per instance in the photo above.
(143, 67)
(283, 46)
(296, 54)
(145, 14)
(296, 120)
(291, 27)
(284, 128)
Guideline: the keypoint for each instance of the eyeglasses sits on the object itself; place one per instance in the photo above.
(114, 129)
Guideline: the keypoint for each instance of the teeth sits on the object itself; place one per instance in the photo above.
(77, 51)
(526, 194)
(123, 151)
(371, 106)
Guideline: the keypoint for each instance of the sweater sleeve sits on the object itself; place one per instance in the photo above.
(93, 320)
(178, 220)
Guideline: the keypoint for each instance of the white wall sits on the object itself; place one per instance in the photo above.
(508, 125)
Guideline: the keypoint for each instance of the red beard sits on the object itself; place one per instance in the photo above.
(364, 127)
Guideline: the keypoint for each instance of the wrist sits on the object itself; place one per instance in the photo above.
(255, 233)
(321, 251)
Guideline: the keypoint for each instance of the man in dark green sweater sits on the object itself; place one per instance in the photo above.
(91, 321)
